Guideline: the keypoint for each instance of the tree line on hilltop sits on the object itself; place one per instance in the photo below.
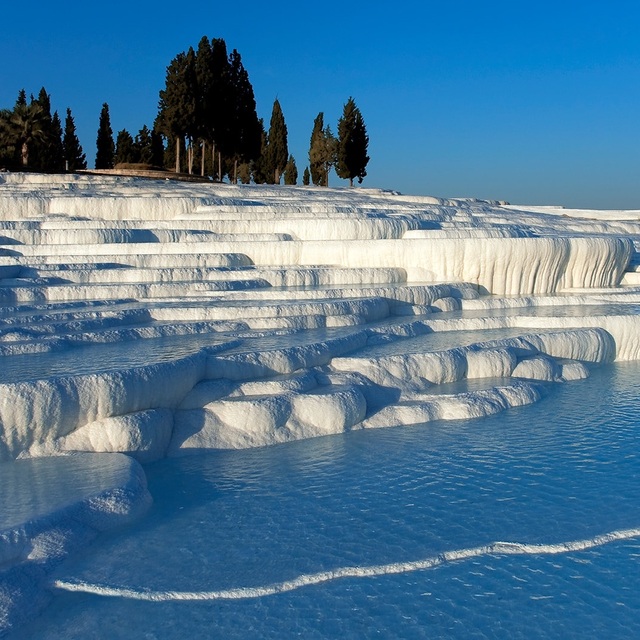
(206, 123)
(32, 138)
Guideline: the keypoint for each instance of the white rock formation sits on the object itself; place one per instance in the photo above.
(97, 260)
(157, 318)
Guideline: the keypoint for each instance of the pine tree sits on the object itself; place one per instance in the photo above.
(212, 103)
(177, 106)
(191, 101)
(277, 150)
(244, 129)
(353, 143)
(105, 145)
(306, 177)
(291, 172)
(73, 155)
(125, 153)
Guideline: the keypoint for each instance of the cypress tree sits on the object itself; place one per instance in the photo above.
(126, 152)
(57, 147)
(43, 149)
(21, 100)
(104, 142)
(259, 167)
(73, 155)
(315, 150)
(157, 149)
(277, 150)
(306, 177)
(143, 146)
(291, 172)
(322, 154)
(353, 143)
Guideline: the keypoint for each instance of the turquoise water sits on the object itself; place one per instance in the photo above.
(564, 469)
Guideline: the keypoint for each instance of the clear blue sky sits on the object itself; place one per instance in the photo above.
(535, 102)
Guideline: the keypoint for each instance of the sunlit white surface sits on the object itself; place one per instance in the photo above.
(159, 319)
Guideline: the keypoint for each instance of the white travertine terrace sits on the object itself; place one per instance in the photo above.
(278, 284)
(156, 318)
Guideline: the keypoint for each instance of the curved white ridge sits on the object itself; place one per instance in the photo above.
(305, 580)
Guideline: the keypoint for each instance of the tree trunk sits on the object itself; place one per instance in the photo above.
(25, 154)
(204, 146)
(213, 160)
(220, 166)
(190, 157)
(177, 155)
(235, 171)
(351, 182)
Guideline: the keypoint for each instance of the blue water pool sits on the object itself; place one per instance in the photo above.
(227, 524)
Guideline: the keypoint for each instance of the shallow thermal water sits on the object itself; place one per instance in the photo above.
(564, 469)
(27, 484)
(96, 358)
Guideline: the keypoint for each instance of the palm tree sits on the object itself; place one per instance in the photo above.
(24, 125)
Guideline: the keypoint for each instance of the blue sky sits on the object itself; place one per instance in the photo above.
(520, 101)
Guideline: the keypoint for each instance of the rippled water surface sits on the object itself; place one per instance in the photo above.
(82, 359)
(565, 469)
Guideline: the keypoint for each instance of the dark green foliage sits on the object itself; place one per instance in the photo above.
(45, 149)
(143, 146)
(315, 145)
(7, 142)
(21, 101)
(244, 129)
(73, 155)
(259, 167)
(209, 101)
(177, 107)
(56, 147)
(212, 91)
(30, 136)
(125, 149)
(306, 177)
(291, 172)
(244, 172)
(104, 142)
(353, 143)
(169, 156)
(277, 148)
(322, 153)
(157, 149)
(25, 125)
(40, 152)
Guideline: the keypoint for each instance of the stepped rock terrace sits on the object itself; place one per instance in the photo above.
(155, 319)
